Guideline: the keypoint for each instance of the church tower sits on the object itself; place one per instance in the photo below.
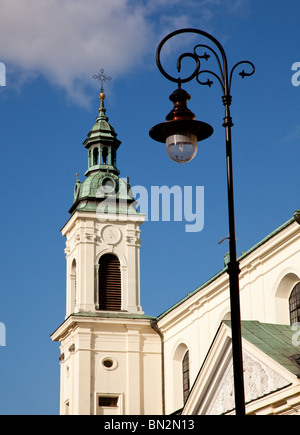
(103, 234)
(110, 353)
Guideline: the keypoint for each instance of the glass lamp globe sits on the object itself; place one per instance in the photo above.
(182, 147)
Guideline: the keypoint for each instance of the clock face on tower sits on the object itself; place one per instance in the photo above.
(111, 235)
(108, 185)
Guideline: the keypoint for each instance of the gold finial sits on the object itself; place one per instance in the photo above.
(102, 96)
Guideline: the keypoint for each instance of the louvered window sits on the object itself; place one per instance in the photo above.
(109, 283)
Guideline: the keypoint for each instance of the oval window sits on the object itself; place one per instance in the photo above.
(109, 363)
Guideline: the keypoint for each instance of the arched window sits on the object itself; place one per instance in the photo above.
(113, 157)
(295, 304)
(73, 285)
(186, 376)
(95, 156)
(104, 155)
(181, 376)
(110, 295)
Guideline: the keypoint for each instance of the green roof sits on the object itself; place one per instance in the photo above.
(277, 341)
(102, 131)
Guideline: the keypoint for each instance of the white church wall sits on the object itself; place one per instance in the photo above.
(268, 274)
(110, 358)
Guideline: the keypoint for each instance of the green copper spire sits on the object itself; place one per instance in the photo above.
(102, 143)
(102, 182)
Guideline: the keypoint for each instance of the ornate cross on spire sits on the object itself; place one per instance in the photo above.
(102, 77)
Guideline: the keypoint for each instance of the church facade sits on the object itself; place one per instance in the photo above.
(116, 360)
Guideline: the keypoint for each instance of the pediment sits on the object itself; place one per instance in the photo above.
(213, 391)
(259, 380)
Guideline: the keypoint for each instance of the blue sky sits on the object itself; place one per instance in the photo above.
(51, 50)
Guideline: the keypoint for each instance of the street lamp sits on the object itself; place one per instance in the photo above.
(181, 132)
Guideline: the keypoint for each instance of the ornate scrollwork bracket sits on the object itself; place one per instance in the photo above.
(224, 78)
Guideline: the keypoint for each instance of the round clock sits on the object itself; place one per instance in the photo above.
(108, 185)
(111, 235)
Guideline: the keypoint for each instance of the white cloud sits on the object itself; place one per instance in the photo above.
(67, 41)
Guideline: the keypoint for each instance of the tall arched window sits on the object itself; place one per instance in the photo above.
(110, 295)
(73, 285)
(181, 376)
(186, 376)
(95, 156)
(295, 304)
(114, 157)
(104, 156)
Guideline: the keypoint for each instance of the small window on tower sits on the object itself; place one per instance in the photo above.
(110, 295)
(104, 156)
(95, 156)
(108, 401)
(108, 363)
(114, 157)
(109, 404)
(73, 279)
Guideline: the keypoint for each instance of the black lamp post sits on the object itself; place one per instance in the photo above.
(181, 132)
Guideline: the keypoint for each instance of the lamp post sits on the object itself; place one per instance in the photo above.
(181, 132)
